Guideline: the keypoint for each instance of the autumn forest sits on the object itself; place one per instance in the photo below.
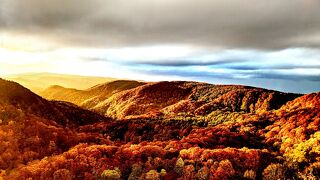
(158, 130)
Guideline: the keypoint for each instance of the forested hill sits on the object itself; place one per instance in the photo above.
(131, 99)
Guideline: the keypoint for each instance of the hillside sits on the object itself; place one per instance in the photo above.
(181, 99)
(32, 128)
(37, 82)
(91, 96)
(132, 99)
(15, 95)
(162, 130)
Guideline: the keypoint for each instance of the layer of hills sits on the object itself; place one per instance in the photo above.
(14, 95)
(89, 97)
(159, 130)
(132, 99)
(37, 82)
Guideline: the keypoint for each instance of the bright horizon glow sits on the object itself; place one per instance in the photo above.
(154, 63)
(116, 63)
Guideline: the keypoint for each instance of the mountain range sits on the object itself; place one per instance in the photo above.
(132, 99)
(125, 129)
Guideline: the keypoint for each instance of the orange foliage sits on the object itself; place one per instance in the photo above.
(170, 130)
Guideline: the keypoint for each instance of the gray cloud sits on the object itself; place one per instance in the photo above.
(170, 62)
(231, 74)
(274, 67)
(273, 24)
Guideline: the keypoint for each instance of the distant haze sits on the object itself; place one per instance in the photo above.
(37, 82)
(272, 44)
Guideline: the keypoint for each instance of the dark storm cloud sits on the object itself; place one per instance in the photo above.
(255, 24)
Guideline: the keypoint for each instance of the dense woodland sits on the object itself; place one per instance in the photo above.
(162, 130)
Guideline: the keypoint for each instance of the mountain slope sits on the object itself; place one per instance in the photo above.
(32, 128)
(306, 101)
(295, 132)
(13, 94)
(60, 93)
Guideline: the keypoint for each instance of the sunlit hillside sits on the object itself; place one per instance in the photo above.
(40, 81)
(178, 99)
(89, 97)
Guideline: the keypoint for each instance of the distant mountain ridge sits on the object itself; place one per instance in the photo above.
(128, 99)
(37, 82)
(89, 97)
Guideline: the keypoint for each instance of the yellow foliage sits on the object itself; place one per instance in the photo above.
(109, 174)
(152, 175)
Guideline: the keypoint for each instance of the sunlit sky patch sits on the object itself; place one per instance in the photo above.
(271, 44)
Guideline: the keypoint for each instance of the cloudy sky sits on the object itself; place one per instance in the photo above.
(273, 44)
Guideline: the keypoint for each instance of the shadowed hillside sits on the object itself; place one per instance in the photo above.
(32, 128)
(13, 94)
(160, 130)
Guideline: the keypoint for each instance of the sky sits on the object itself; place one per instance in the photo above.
(272, 44)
